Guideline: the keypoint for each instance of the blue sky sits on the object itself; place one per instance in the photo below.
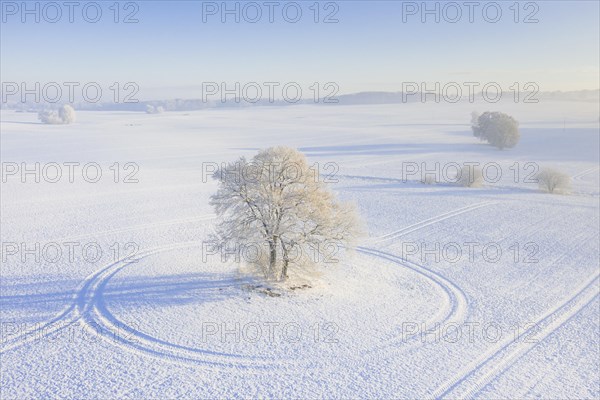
(172, 51)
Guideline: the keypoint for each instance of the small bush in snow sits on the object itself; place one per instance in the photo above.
(552, 180)
(150, 109)
(470, 176)
(67, 114)
(49, 117)
(64, 115)
(496, 128)
(429, 179)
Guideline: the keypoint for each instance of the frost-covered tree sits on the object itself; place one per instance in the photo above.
(49, 117)
(64, 115)
(67, 114)
(470, 176)
(498, 129)
(277, 203)
(552, 180)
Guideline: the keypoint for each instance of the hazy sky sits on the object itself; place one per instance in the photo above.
(369, 48)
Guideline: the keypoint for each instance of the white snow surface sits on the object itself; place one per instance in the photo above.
(112, 328)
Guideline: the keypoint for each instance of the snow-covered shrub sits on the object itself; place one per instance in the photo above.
(496, 128)
(64, 115)
(277, 204)
(67, 114)
(150, 109)
(49, 117)
(552, 180)
(429, 179)
(470, 176)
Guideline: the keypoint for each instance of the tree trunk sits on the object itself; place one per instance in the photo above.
(286, 262)
(284, 269)
(272, 255)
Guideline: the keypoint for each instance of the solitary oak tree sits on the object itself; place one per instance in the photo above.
(278, 203)
(496, 128)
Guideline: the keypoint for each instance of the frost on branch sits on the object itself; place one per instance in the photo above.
(277, 206)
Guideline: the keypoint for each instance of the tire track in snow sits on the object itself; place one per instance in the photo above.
(476, 375)
(457, 305)
(88, 305)
(581, 175)
(73, 312)
(96, 315)
(427, 222)
(68, 317)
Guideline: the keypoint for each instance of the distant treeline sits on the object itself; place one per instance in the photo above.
(348, 99)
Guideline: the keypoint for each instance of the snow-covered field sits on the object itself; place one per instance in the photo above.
(425, 307)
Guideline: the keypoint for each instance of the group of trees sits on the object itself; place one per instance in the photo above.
(64, 115)
(496, 128)
(277, 204)
(548, 179)
(502, 131)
